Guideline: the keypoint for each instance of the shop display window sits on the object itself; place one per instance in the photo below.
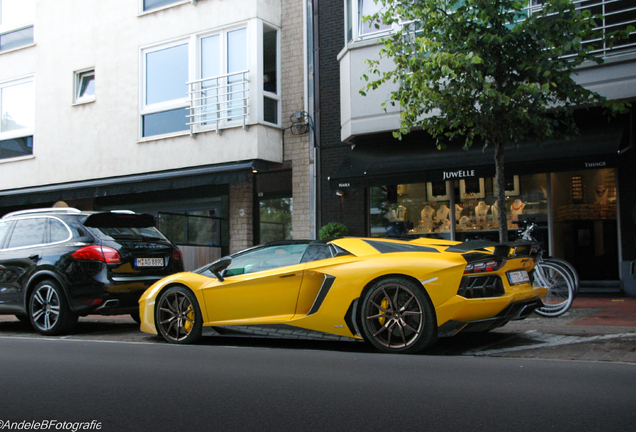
(429, 209)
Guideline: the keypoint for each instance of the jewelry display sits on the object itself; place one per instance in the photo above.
(442, 213)
(481, 211)
(401, 213)
(427, 218)
(516, 208)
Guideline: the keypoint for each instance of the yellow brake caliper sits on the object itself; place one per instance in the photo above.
(384, 305)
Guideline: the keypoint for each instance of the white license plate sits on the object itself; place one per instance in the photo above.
(149, 262)
(518, 277)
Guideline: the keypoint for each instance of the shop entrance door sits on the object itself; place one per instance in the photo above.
(585, 227)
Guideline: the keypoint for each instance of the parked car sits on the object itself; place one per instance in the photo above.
(398, 295)
(60, 263)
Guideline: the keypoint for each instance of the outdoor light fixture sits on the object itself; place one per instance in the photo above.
(339, 192)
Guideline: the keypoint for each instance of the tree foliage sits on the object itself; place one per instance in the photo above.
(487, 71)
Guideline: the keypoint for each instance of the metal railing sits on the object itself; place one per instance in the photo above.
(615, 15)
(218, 102)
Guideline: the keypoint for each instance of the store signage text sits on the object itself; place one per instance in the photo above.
(344, 185)
(595, 164)
(458, 174)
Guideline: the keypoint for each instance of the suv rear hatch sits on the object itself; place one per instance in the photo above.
(145, 253)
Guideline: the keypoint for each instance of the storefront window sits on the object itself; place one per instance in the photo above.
(275, 207)
(585, 228)
(428, 209)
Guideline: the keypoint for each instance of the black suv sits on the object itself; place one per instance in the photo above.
(60, 263)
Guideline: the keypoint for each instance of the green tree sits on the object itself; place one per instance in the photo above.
(487, 71)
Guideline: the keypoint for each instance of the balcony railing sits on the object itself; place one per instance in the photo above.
(219, 102)
(616, 15)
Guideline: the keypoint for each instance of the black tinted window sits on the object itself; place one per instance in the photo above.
(132, 232)
(28, 232)
(59, 232)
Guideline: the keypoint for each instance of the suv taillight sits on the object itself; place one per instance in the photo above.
(176, 254)
(97, 253)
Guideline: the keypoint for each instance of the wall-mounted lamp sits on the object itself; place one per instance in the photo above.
(339, 192)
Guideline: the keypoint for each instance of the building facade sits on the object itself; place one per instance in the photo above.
(194, 111)
(580, 192)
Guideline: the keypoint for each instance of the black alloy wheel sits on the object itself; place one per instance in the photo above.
(48, 311)
(177, 316)
(397, 316)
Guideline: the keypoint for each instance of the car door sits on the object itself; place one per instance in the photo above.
(260, 286)
(18, 259)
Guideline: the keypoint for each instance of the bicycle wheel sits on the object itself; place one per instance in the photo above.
(560, 288)
(570, 269)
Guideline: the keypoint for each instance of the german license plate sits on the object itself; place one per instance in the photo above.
(149, 262)
(518, 277)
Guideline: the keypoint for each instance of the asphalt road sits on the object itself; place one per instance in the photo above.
(147, 386)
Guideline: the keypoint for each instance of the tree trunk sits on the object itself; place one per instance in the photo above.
(501, 192)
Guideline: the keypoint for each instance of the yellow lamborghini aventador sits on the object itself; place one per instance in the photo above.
(399, 295)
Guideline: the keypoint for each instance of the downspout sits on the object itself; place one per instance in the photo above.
(313, 97)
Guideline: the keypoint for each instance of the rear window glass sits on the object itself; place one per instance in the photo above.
(131, 232)
(124, 225)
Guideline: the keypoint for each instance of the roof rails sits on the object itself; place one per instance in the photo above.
(66, 210)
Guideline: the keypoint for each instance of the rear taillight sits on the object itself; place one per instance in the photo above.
(97, 253)
(483, 266)
(176, 254)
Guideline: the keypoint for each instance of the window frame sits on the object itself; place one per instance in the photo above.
(143, 11)
(24, 21)
(77, 86)
(23, 132)
(276, 96)
(159, 107)
(353, 23)
(255, 71)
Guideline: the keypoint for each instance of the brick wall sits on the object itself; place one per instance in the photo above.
(241, 220)
(296, 149)
(351, 208)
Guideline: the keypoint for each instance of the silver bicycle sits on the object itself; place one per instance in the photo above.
(559, 276)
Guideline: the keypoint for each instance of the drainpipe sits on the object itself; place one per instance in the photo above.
(313, 102)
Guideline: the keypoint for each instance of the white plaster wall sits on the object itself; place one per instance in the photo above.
(101, 139)
(364, 114)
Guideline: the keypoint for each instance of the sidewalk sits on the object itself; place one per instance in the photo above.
(593, 329)
(607, 311)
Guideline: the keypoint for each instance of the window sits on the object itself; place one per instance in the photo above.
(17, 114)
(266, 258)
(27, 232)
(356, 27)
(16, 24)
(271, 97)
(156, 4)
(4, 228)
(59, 232)
(202, 82)
(427, 209)
(85, 86)
(165, 89)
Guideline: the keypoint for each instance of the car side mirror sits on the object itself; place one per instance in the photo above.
(219, 265)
